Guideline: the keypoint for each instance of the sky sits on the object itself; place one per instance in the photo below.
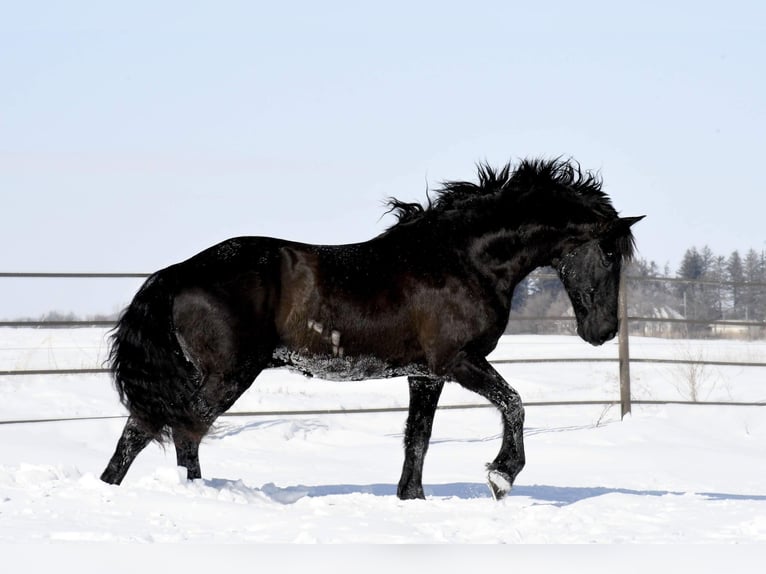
(133, 135)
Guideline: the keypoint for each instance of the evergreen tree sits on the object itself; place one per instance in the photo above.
(753, 298)
(692, 269)
(718, 298)
(692, 265)
(736, 274)
(701, 300)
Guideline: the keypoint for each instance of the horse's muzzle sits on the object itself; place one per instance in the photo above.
(598, 335)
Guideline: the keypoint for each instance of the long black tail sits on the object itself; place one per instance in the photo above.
(155, 381)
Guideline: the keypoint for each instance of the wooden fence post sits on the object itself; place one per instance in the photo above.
(624, 351)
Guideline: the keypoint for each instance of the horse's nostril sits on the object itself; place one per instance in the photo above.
(609, 336)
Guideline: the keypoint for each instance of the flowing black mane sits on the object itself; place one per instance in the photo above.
(547, 191)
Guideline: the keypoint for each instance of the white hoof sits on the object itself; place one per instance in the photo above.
(499, 484)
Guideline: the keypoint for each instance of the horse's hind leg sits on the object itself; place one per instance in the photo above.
(133, 440)
(228, 352)
(217, 395)
(424, 396)
(187, 452)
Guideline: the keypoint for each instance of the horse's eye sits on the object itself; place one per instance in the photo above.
(607, 260)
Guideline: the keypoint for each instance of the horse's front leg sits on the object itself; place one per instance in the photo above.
(477, 375)
(424, 395)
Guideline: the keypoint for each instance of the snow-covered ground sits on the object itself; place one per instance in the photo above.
(664, 474)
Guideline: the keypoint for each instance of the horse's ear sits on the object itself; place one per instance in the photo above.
(618, 229)
(626, 222)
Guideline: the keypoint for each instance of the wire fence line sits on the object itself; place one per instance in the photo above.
(380, 410)
(59, 324)
(102, 371)
(87, 275)
(623, 360)
(141, 275)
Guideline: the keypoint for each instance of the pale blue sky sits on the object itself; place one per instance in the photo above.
(133, 135)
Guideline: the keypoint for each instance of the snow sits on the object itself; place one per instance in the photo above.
(665, 474)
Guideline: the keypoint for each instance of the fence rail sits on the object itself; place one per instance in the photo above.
(315, 412)
(530, 361)
(86, 275)
(58, 324)
(623, 359)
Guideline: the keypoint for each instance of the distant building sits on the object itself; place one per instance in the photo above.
(734, 329)
(659, 328)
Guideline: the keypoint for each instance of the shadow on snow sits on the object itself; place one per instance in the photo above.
(559, 496)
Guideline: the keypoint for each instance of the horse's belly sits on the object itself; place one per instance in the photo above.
(345, 368)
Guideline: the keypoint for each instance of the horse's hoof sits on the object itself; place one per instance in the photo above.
(499, 484)
(410, 494)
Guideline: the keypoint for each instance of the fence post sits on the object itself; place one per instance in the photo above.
(624, 351)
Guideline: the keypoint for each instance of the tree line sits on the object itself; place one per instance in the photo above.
(705, 288)
(714, 287)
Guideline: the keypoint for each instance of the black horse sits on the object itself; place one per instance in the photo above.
(427, 299)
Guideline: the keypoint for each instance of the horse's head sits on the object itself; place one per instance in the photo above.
(591, 275)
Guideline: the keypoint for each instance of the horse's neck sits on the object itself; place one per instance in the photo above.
(508, 256)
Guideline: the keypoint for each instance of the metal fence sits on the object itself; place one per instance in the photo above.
(630, 323)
